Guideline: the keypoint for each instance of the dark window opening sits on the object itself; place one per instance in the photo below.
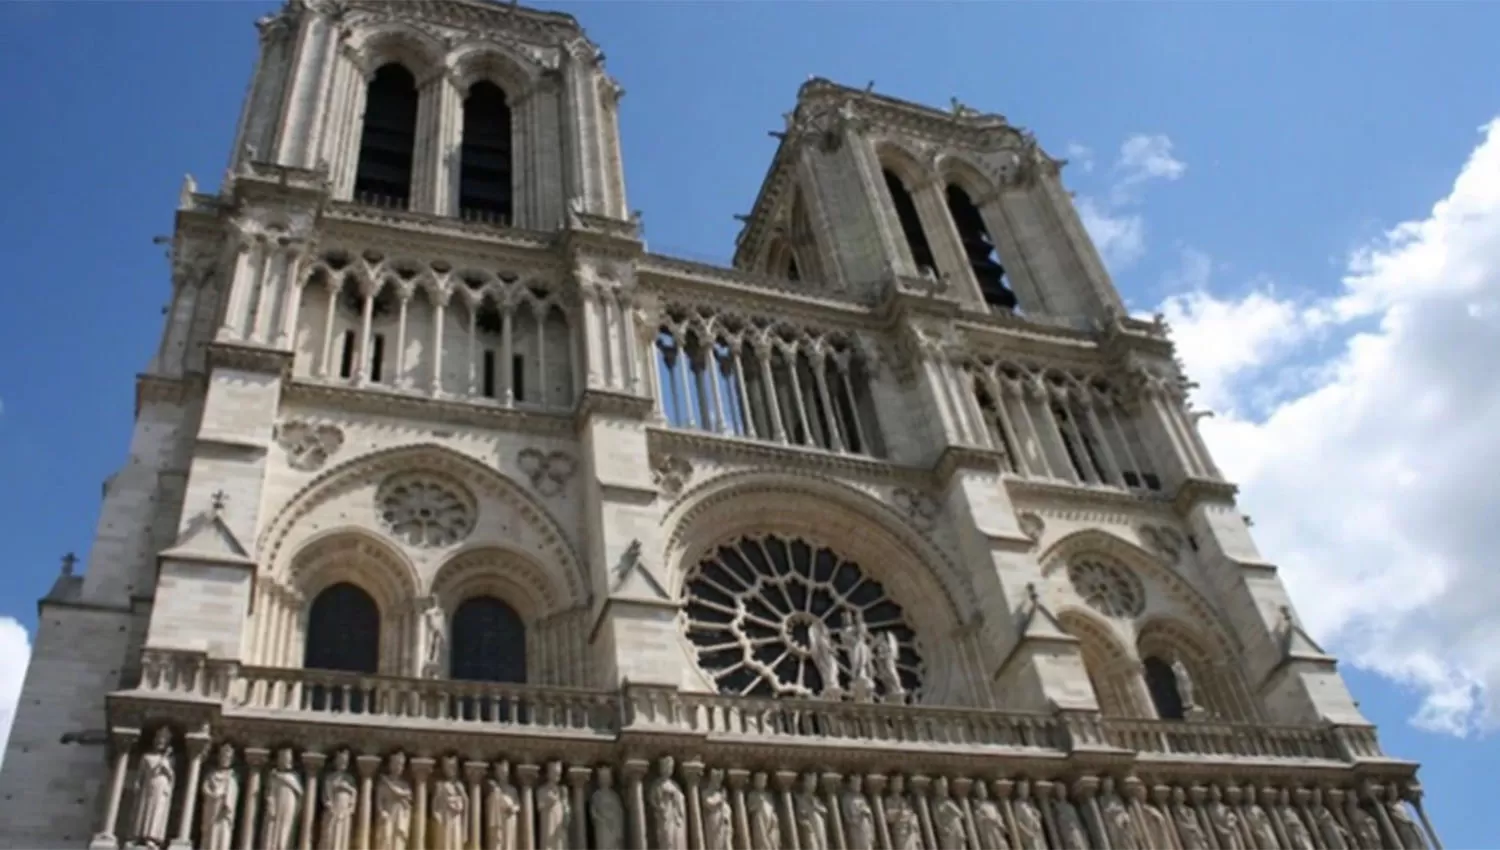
(484, 182)
(383, 175)
(791, 268)
(489, 642)
(488, 388)
(518, 377)
(343, 631)
(1162, 683)
(911, 224)
(844, 411)
(979, 247)
(377, 356)
(346, 358)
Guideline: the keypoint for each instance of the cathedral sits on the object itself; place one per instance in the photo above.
(455, 518)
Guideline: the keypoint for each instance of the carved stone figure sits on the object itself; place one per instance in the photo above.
(154, 780)
(434, 640)
(858, 645)
(450, 806)
(902, 819)
(1070, 829)
(221, 795)
(825, 658)
(1154, 822)
(1189, 830)
(1334, 836)
(887, 653)
(282, 803)
(340, 798)
(812, 815)
(393, 806)
(670, 806)
(1185, 688)
(1031, 834)
(1118, 825)
(1297, 834)
(1225, 822)
(1406, 827)
(1362, 823)
(947, 818)
(760, 808)
(989, 822)
(1258, 822)
(607, 812)
(553, 811)
(859, 818)
(718, 815)
(502, 807)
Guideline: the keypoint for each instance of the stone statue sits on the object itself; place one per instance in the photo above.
(820, 644)
(502, 807)
(450, 806)
(1225, 822)
(1118, 825)
(1031, 834)
(670, 807)
(340, 799)
(1297, 835)
(1154, 824)
(434, 640)
(1185, 689)
(718, 815)
(989, 822)
(947, 818)
(1189, 830)
(221, 796)
(859, 817)
(154, 780)
(1258, 821)
(812, 815)
(887, 653)
(760, 808)
(858, 645)
(553, 811)
(1334, 836)
(283, 801)
(607, 812)
(1406, 827)
(901, 818)
(1362, 823)
(1070, 829)
(393, 806)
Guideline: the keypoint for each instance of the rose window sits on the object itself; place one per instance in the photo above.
(776, 617)
(426, 511)
(1107, 588)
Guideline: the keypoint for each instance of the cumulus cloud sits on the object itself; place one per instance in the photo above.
(1372, 480)
(1117, 228)
(1081, 155)
(15, 653)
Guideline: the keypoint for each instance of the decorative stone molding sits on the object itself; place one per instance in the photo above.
(1032, 525)
(308, 445)
(920, 508)
(426, 510)
(671, 473)
(548, 471)
(1163, 540)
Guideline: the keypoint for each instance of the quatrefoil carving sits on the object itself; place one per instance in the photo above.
(308, 446)
(548, 471)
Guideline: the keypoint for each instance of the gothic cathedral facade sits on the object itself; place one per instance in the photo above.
(456, 518)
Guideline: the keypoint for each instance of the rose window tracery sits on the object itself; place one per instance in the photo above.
(1107, 588)
(426, 511)
(776, 617)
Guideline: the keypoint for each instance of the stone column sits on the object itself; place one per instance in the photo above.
(578, 778)
(1304, 797)
(635, 800)
(1087, 804)
(1376, 795)
(123, 740)
(526, 775)
(785, 781)
(1041, 797)
(835, 811)
(367, 765)
(692, 771)
(738, 776)
(312, 765)
(197, 745)
(961, 788)
(474, 772)
(421, 768)
(919, 788)
(1414, 795)
(875, 784)
(1001, 789)
(1195, 796)
(255, 762)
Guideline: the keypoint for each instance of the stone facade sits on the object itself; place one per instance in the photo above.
(845, 546)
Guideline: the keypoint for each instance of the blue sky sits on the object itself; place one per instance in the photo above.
(1243, 163)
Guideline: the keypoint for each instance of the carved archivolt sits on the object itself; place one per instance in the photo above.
(501, 573)
(425, 510)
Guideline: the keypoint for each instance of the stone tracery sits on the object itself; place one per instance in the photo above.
(1107, 588)
(772, 616)
(426, 511)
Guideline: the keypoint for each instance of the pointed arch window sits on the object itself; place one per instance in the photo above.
(488, 642)
(979, 248)
(911, 223)
(485, 165)
(389, 140)
(1162, 683)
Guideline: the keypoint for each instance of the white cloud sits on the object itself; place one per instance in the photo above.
(1080, 154)
(1116, 228)
(1120, 238)
(1148, 157)
(15, 653)
(1373, 484)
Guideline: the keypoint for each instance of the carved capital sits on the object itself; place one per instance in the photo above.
(526, 774)
(474, 771)
(366, 765)
(421, 768)
(256, 757)
(579, 776)
(312, 762)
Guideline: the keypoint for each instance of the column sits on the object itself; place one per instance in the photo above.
(692, 771)
(421, 768)
(255, 762)
(474, 772)
(1042, 799)
(919, 788)
(367, 290)
(312, 765)
(197, 745)
(325, 359)
(507, 355)
(123, 740)
(961, 788)
(366, 765)
(785, 780)
(526, 776)
(1087, 805)
(835, 811)
(635, 800)
(439, 309)
(737, 777)
(578, 779)
(265, 295)
(1195, 797)
(820, 377)
(1414, 796)
(876, 785)
(768, 385)
(404, 292)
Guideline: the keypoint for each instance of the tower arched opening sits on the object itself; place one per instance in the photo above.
(388, 143)
(488, 639)
(911, 223)
(485, 163)
(979, 249)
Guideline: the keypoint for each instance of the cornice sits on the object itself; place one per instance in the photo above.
(611, 403)
(377, 401)
(461, 233)
(249, 357)
(479, 19)
(663, 441)
(725, 294)
(1025, 492)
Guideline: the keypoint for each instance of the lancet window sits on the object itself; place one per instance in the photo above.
(1059, 426)
(485, 165)
(979, 249)
(764, 381)
(388, 143)
(911, 223)
(776, 617)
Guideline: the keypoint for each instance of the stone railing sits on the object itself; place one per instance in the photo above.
(1223, 740)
